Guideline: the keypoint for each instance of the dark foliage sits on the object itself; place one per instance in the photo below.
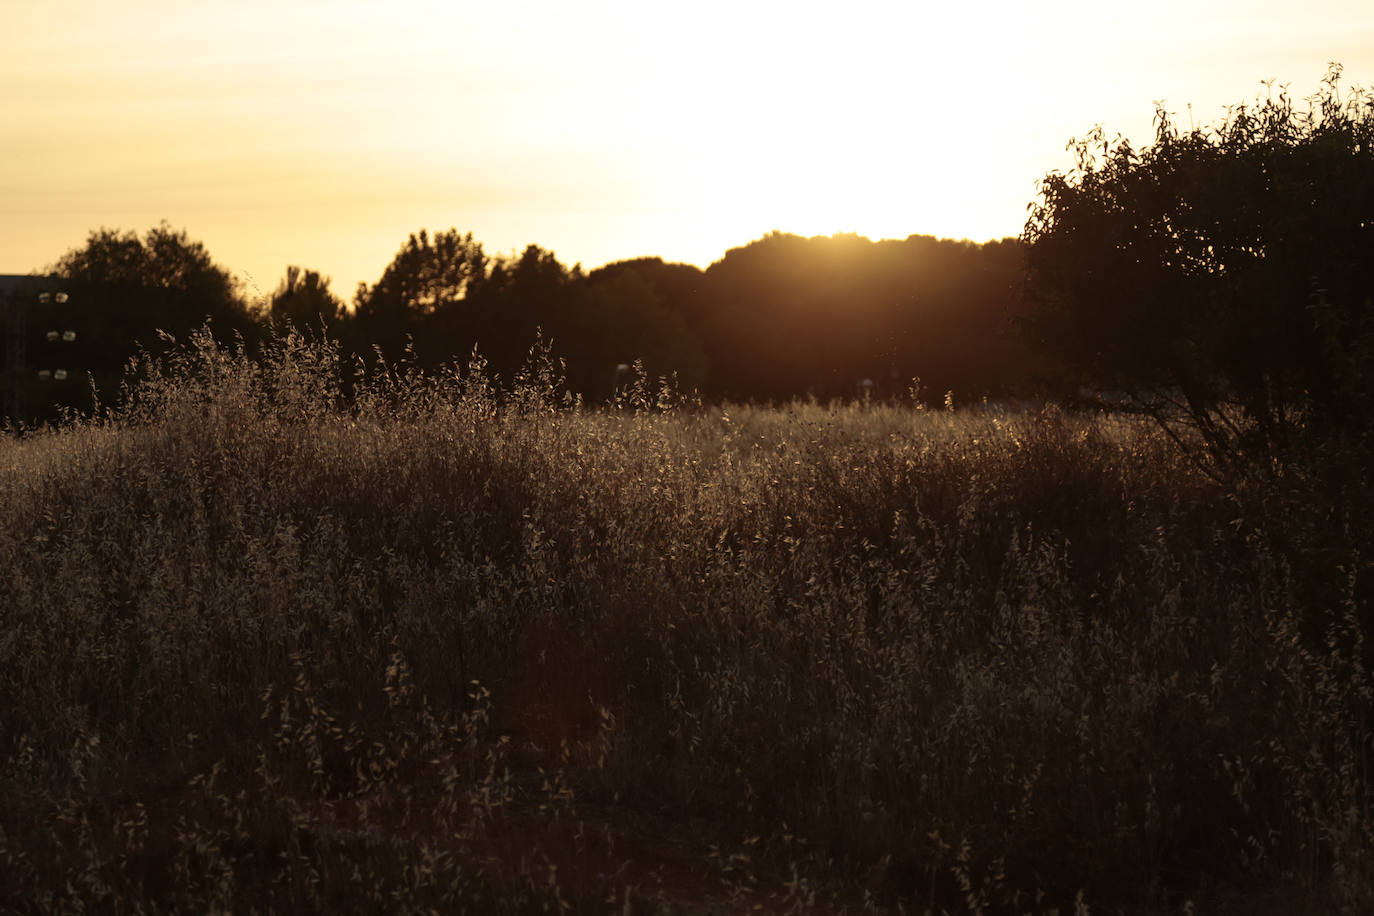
(304, 300)
(1220, 276)
(127, 293)
(786, 316)
(781, 317)
(425, 278)
(636, 310)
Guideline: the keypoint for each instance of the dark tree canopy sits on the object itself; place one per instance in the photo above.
(522, 295)
(778, 318)
(304, 300)
(427, 275)
(781, 317)
(624, 316)
(168, 269)
(787, 315)
(126, 290)
(1222, 276)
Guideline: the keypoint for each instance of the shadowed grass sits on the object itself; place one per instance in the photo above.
(439, 646)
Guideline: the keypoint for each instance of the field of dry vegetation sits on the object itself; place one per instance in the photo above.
(431, 649)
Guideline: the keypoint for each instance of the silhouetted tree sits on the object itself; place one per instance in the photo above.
(521, 295)
(124, 290)
(449, 296)
(1222, 276)
(682, 287)
(303, 300)
(174, 275)
(775, 319)
(787, 315)
(620, 318)
(427, 276)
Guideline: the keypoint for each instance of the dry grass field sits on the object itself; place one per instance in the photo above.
(434, 649)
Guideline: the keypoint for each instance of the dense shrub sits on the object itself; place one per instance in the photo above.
(1220, 276)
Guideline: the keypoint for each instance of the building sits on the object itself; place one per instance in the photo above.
(21, 296)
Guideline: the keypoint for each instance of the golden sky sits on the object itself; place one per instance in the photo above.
(323, 133)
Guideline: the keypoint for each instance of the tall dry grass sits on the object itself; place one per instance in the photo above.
(438, 645)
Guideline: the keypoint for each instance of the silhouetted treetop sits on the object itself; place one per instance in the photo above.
(780, 317)
(126, 289)
(1223, 274)
(426, 274)
(625, 315)
(786, 315)
(165, 259)
(304, 300)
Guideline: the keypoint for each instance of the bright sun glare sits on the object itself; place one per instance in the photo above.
(283, 132)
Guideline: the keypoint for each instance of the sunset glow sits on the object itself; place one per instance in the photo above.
(322, 134)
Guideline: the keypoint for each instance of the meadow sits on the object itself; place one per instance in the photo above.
(439, 647)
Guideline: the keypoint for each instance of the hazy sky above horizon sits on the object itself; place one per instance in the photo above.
(322, 134)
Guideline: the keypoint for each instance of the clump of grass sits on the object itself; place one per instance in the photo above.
(283, 634)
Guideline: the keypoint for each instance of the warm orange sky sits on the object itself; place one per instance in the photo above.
(321, 134)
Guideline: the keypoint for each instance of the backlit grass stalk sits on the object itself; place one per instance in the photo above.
(266, 645)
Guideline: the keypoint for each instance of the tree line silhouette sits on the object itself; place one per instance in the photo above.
(1218, 279)
(781, 317)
